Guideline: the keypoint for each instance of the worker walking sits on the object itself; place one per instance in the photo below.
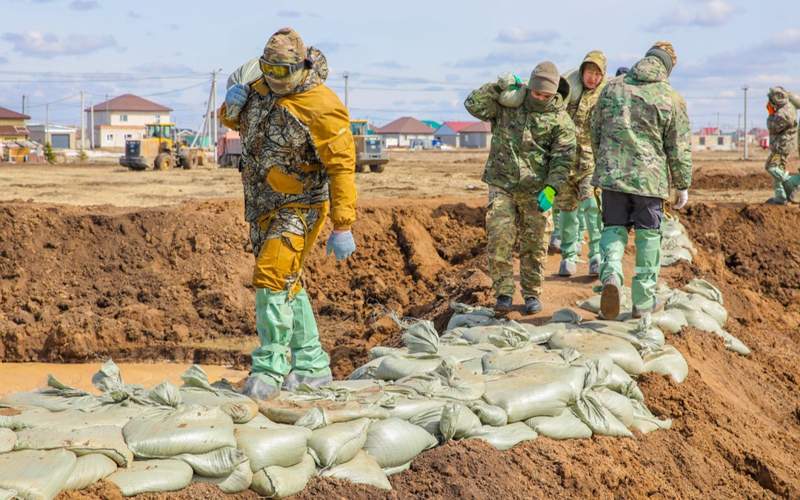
(782, 126)
(532, 152)
(642, 142)
(298, 165)
(577, 199)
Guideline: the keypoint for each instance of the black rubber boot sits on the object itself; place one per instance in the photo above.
(504, 303)
(532, 305)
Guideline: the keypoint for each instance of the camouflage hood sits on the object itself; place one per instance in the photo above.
(318, 72)
(647, 70)
(599, 60)
(778, 97)
(557, 103)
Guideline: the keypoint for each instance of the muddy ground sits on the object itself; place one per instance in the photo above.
(82, 283)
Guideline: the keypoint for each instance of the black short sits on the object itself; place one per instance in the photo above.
(632, 210)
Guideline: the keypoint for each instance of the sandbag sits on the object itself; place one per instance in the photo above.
(8, 439)
(282, 447)
(380, 351)
(670, 321)
(488, 414)
(114, 415)
(566, 315)
(506, 437)
(219, 463)
(619, 405)
(394, 442)
(361, 469)
(644, 421)
(469, 316)
(563, 426)
(279, 482)
(667, 361)
(705, 289)
(710, 307)
(421, 337)
(542, 390)
(8, 494)
(596, 345)
(36, 474)
(338, 443)
(457, 421)
(88, 470)
(407, 408)
(592, 412)
(506, 361)
(194, 430)
(315, 417)
(237, 481)
(510, 332)
(395, 368)
(106, 440)
(152, 476)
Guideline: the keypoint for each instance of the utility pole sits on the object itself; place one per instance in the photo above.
(213, 127)
(83, 125)
(91, 122)
(23, 104)
(718, 130)
(46, 122)
(346, 76)
(745, 122)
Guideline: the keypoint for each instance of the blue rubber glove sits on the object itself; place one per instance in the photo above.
(546, 197)
(235, 99)
(341, 243)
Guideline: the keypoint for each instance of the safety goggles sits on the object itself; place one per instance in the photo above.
(279, 70)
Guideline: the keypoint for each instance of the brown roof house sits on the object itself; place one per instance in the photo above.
(13, 126)
(124, 117)
(476, 135)
(406, 132)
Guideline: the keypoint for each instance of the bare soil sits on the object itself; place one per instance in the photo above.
(172, 283)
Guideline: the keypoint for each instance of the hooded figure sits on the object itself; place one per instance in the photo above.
(298, 167)
(576, 198)
(642, 144)
(532, 152)
(782, 126)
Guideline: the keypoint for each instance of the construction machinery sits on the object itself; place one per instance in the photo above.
(370, 150)
(160, 149)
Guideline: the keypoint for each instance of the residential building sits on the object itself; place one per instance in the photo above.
(712, 139)
(406, 132)
(448, 134)
(59, 136)
(13, 126)
(476, 135)
(124, 117)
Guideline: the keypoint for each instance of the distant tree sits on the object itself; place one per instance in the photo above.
(48, 153)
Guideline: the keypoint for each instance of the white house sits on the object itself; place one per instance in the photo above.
(476, 135)
(406, 132)
(59, 136)
(449, 133)
(124, 117)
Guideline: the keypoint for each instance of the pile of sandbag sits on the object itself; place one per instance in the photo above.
(675, 242)
(483, 378)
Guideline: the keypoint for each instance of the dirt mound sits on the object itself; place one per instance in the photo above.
(733, 182)
(174, 283)
(72, 277)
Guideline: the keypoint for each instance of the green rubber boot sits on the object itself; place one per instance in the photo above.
(648, 265)
(594, 226)
(310, 363)
(569, 235)
(792, 188)
(779, 178)
(612, 248)
(274, 323)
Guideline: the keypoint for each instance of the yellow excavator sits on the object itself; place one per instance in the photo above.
(369, 148)
(160, 149)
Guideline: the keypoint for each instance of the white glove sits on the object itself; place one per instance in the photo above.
(683, 198)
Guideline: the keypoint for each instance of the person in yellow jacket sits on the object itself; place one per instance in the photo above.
(298, 166)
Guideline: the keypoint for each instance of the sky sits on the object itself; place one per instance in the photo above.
(416, 58)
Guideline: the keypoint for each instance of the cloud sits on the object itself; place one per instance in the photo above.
(701, 13)
(295, 14)
(3, 60)
(330, 47)
(163, 68)
(522, 35)
(134, 15)
(390, 65)
(49, 45)
(525, 58)
(84, 5)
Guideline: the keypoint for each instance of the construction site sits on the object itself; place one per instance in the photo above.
(381, 255)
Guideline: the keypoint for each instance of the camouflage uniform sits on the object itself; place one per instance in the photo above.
(641, 139)
(298, 163)
(578, 192)
(532, 146)
(782, 126)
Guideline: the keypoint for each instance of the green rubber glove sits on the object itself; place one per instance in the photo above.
(517, 83)
(546, 197)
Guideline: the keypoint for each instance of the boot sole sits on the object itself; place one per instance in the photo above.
(609, 302)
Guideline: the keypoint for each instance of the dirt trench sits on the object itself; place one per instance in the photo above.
(81, 284)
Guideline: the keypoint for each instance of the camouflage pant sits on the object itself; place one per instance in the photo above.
(514, 218)
(573, 192)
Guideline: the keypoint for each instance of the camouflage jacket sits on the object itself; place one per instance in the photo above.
(782, 124)
(297, 149)
(581, 113)
(532, 146)
(641, 135)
